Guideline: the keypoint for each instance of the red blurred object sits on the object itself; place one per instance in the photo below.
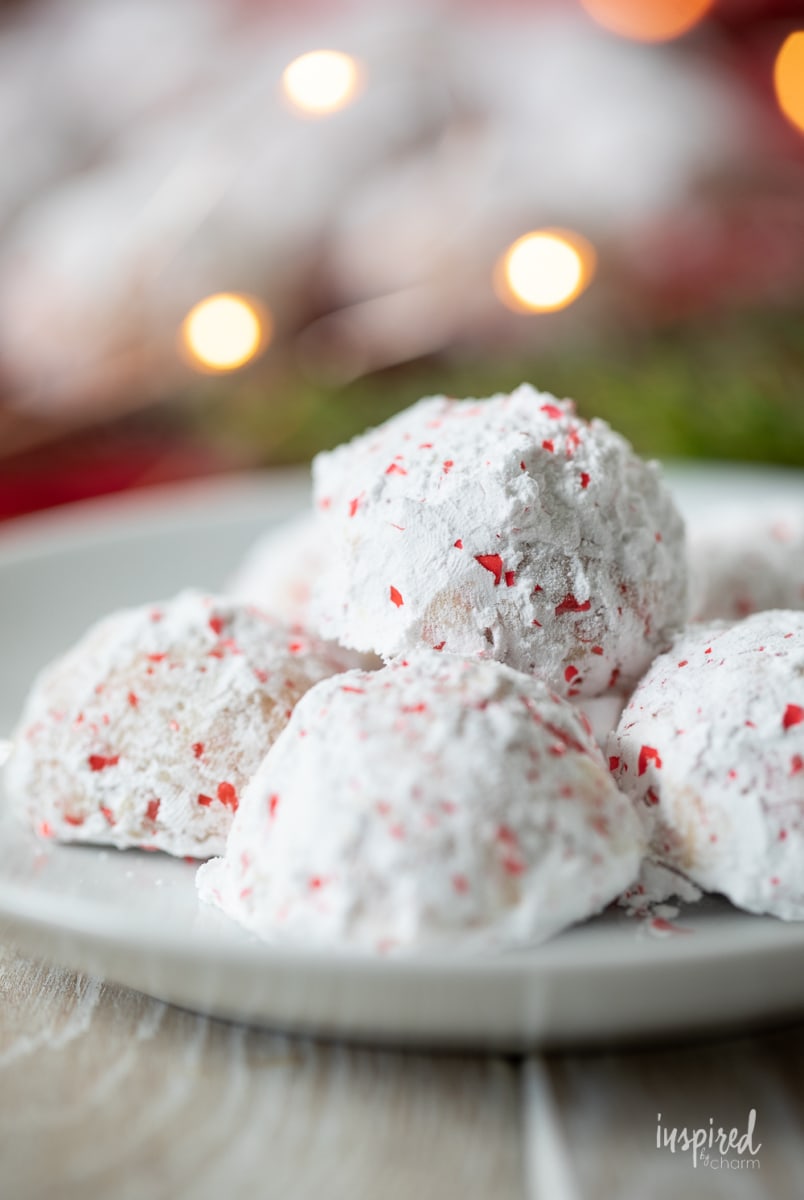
(98, 464)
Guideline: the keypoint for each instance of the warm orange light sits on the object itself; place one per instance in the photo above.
(788, 78)
(545, 270)
(225, 331)
(322, 81)
(648, 20)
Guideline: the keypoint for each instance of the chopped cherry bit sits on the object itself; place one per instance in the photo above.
(584, 480)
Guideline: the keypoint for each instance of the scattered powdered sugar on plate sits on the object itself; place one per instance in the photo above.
(647, 899)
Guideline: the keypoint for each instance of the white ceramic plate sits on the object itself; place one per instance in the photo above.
(133, 917)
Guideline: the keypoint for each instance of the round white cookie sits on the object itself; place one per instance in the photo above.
(278, 571)
(743, 561)
(711, 750)
(147, 731)
(436, 799)
(507, 529)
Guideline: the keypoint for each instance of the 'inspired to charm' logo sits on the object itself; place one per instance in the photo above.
(719, 1149)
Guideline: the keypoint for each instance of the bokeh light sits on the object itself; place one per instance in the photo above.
(225, 331)
(788, 78)
(545, 270)
(648, 20)
(321, 82)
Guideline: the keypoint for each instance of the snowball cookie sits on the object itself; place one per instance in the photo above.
(146, 733)
(743, 561)
(603, 714)
(437, 798)
(505, 528)
(711, 749)
(278, 571)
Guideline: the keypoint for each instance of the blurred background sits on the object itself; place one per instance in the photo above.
(233, 232)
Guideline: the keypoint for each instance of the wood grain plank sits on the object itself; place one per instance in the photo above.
(603, 1110)
(107, 1093)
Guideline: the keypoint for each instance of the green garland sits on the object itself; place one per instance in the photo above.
(728, 388)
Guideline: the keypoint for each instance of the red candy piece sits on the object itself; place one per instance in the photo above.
(648, 754)
(492, 563)
(570, 604)
(228, 796)
(99, 762)
(793, 715)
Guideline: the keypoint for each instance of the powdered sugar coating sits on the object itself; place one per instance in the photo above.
(438, 798)
(743, 561)
(505, 528)
(711, 750)
(147, 731)
(278, 573)
(279, 569)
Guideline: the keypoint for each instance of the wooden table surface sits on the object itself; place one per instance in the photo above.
(105, 1092)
